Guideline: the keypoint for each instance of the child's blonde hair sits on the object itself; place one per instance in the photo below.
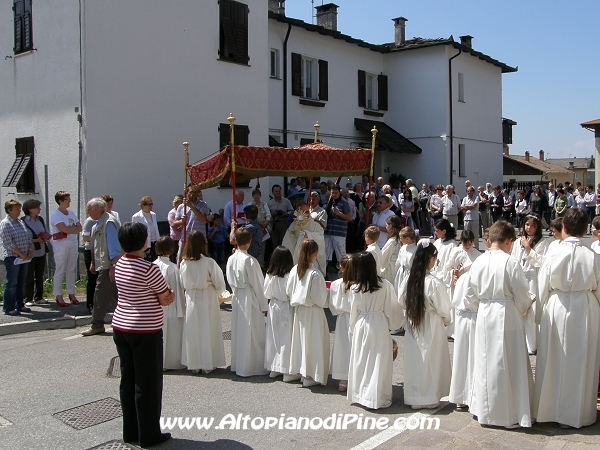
(372, 232)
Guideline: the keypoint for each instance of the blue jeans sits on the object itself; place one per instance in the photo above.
(14, 288)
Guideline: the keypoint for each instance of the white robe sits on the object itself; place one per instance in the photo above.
(531, 264)
(297, 232)
(442, 269)
(389, 256)
(279, 324)
(248, 331)
(427, 369)
(339, 305)
(310, 334)
(463, 361)
(503, 384)
(403, 264)
(202, 334)
(173, 315)
(370, 372)
(374, 250)
(568, 358)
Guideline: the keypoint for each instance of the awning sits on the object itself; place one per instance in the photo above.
(307, 160)
(387, 137)
(17, 170)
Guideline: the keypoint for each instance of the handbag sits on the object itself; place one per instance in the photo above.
(59, 235)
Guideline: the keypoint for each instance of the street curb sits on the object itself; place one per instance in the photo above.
(56, 323)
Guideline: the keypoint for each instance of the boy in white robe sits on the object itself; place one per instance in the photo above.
(339, 305)
(502, 392)
(568, 358)
(174, 313)
(249, 304)
(371, 236)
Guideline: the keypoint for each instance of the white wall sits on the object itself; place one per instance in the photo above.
(153, 80)
(39, 91)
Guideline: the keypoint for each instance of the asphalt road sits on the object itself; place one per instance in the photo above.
(46, 372)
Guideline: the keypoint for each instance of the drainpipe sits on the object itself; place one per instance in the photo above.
(451, 118)
(285, 115)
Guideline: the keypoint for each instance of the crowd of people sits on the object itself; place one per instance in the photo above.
(526, 294)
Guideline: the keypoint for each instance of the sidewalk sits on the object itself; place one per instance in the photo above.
(47, 317)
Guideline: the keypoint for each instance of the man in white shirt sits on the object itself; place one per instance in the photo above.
(384, 203)
(470, 206)
(280, 207)
(239, 209)
(451, 205)
(551, 196)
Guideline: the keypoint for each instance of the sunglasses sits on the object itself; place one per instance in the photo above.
(148, 204)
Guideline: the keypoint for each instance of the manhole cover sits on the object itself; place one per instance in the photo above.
(114, 445)
(227, 335)
(90, 414)
(114, 368)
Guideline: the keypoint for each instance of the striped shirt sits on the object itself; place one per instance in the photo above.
(138, 284)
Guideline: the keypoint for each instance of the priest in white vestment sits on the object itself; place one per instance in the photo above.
(304, 227)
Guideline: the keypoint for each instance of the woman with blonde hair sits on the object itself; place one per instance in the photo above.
(147, 217)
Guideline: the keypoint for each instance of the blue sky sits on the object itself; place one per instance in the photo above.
(555, 44)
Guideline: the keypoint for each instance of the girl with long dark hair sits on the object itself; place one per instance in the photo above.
(391, 248)
(530, 250)
(375, 309)
(426, 357)
(310, 334)
(280, 315)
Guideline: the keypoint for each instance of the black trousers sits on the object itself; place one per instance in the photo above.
(141, 356)
(91, 279)
(35, 279)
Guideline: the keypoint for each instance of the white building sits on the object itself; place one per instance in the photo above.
(108, 91)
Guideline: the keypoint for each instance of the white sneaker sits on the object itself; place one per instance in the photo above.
(290, 378)
(206, 372)
(41, 301)
(29, 303)
(274, 374)
(309, 382)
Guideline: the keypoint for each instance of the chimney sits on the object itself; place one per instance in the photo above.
(400, 30)
(571, 165)
(541, 155)
(465, 41)
(277, 6)
(527, 156)
(327, 16)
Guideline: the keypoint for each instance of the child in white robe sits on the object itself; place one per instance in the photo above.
(568, 360)
(339, 305)
(502, 391)
(248, 331)
(174, 314)
(464, 325)
(445, 244)
(391, 248)
(425, 299)
(371, 235)
(310, 335)
(281, 315)
(408, 239)
(596, 233)
(374, 310)
(530, 250)
(203, 281)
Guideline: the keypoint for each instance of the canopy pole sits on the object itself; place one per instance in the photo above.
(369, 201)
(186, 163)
(231, 120)
(310, 180)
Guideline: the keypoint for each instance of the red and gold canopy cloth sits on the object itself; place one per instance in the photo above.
(311, 159)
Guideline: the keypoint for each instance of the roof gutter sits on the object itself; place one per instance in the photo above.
(451, 115)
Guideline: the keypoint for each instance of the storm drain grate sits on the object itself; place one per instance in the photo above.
(227, 335)
(114, 368)
(114, 445)
(90, 414)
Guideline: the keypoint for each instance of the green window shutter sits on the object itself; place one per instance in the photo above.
(382, 92)
(323, 80)
(297, 74)
(362, 89)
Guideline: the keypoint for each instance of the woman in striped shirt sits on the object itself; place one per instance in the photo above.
(137, 332)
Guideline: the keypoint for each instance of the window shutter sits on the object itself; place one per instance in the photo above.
(27, 34)
(233, 33)
(240, 31)
(323, 80)
(297, 74)
(223, 135)
(18, 21)
(382, 92)
(362, 89)
(240, 135)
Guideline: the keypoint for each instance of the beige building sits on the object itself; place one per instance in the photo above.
(529, 169)
(582, 168)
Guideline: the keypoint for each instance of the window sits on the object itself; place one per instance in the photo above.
(233, 32)
(23, 29)
(372, 91)
(461, 87)
(462, 172)
(309, 77)
(21, 173)
(240, 137)
(274, 63)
